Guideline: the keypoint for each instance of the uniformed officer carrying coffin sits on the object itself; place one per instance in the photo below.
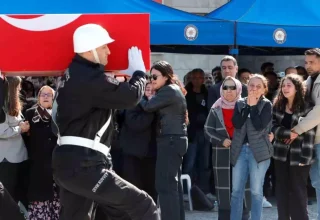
(83, 113)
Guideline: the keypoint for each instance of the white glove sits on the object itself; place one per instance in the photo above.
(135, 61)
(1, 75)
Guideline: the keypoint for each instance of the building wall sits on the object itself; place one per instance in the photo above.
(280, 62)
(183, 63)
(195, 6)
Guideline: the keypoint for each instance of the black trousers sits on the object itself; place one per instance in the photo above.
(86, 187)
(8, 207)
(141, 173)
(170, 151)
(291, 190)
(23, 183)
(9, 176)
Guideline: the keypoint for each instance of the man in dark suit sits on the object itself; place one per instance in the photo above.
(229, 67)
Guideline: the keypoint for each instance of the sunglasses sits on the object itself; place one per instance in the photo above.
(229, 87)
(153, 77)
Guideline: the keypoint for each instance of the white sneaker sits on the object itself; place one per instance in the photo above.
(266, 203)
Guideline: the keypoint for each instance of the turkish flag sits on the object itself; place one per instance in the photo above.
(43, 44)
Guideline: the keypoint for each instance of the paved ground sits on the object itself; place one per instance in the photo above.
(268, 213)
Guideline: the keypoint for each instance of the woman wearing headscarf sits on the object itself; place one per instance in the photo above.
(219, 130)
(42, 191)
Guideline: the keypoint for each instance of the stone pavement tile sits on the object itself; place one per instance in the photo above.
(268, 213)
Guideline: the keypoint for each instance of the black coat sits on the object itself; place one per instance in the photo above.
(171, 107)
(197, 110)
(138, 133)
(40, 144)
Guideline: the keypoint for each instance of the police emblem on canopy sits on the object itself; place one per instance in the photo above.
(280, 36)
(191, 32)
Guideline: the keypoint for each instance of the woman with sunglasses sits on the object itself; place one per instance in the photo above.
(172, 142)
(219, 131)
(42, 191)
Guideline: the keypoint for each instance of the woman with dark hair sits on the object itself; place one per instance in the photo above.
(172, 142)
(9, 209)
(292, 159)
(12, 151)
(138, 143)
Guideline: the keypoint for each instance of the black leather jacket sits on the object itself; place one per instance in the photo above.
(172, 107)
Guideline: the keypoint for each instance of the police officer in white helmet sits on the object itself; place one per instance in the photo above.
(82, 112)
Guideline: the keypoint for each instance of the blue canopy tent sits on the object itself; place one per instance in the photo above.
(274, 23)
(168, 25)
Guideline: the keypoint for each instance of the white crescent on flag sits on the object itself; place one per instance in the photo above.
(43, 23)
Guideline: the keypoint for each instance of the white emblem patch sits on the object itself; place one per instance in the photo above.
(112, 80)
(280, 36)
(191, 32)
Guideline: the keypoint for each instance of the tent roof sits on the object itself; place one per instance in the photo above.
(258, 20)
(168, 25)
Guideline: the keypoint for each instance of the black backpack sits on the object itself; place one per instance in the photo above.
(200, 200)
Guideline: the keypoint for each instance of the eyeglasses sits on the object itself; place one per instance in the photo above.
(43, 95)
(229, 87)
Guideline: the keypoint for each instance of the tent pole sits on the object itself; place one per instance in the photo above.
(235, 46)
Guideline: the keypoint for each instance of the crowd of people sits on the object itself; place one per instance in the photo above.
(238, 135)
